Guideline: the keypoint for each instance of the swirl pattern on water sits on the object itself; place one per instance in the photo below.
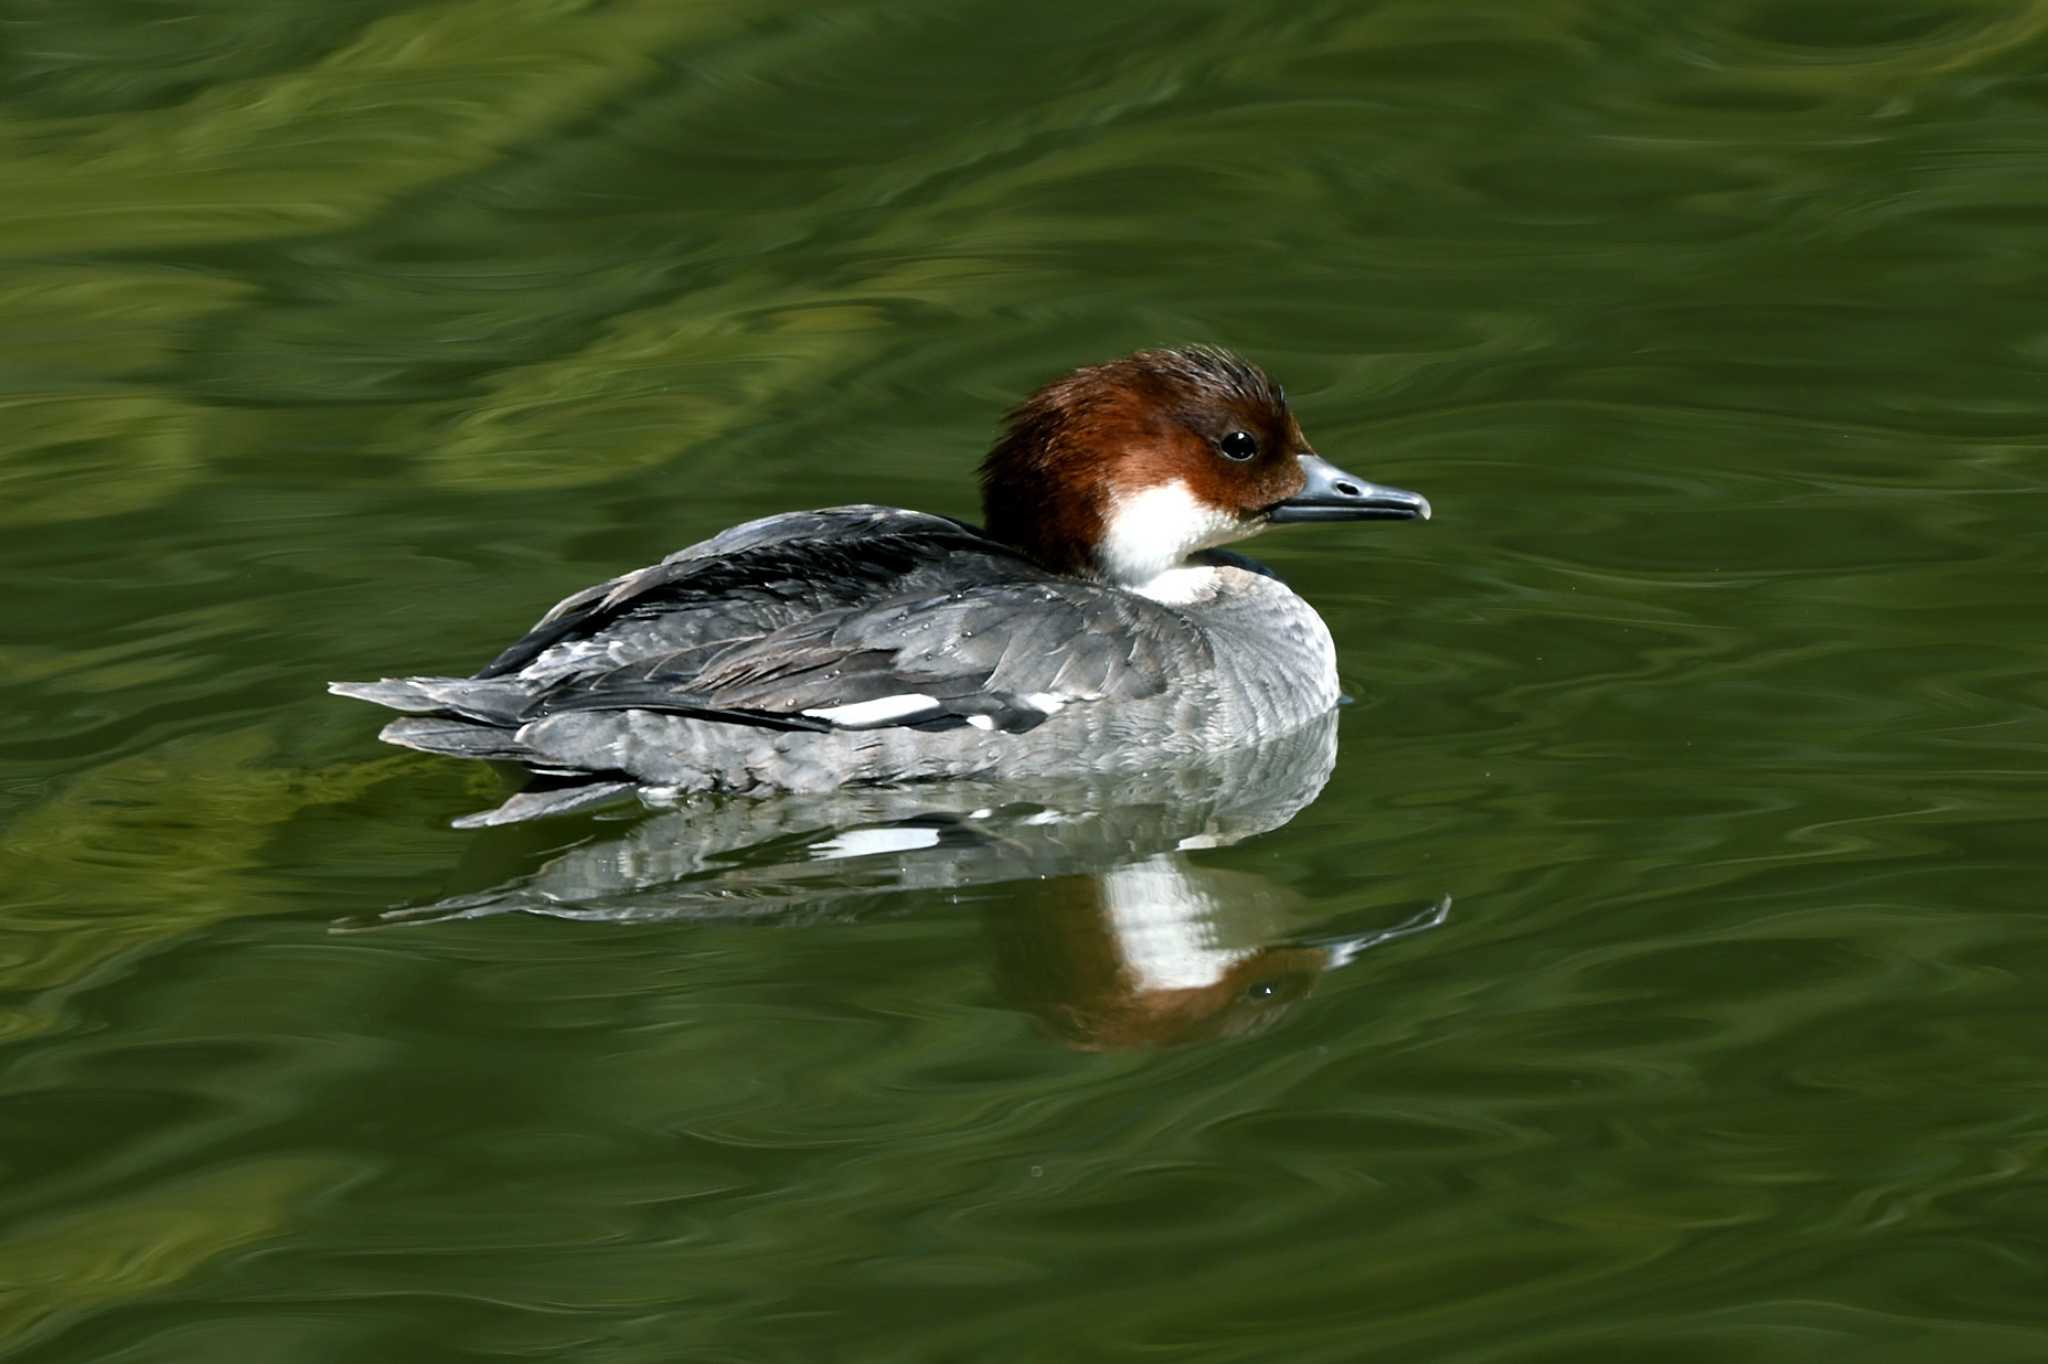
(1715, 693)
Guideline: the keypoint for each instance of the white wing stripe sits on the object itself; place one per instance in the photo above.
(883, 710)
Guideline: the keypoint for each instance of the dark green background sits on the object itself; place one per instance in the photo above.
(340, 338)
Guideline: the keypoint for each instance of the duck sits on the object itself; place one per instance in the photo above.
(1092, 624)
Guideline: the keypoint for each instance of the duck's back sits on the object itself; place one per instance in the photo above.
(748, 581)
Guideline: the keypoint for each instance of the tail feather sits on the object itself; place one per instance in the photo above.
(456, 738)
(399, 693)
(467, 717)
(491, 700)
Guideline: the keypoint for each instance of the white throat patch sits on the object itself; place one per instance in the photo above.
(1151, 532)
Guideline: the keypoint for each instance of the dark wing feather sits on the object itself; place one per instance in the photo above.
(754, 578)
(1012, 653)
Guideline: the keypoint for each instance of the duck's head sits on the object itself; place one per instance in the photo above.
(1121, 471)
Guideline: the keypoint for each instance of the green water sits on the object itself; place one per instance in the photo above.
(340, 338)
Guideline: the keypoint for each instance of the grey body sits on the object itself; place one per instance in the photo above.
(864, 645)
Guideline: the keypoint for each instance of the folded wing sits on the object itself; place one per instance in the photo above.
(1004, 656)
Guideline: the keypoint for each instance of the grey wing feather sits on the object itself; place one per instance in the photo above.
(1011, 654)
(740, 584)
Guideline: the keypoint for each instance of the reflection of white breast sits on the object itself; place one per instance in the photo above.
(1165, 927)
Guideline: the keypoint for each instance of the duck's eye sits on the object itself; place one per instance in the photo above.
(1239, 445)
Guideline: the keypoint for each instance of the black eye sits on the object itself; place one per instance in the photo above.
(1239, 445)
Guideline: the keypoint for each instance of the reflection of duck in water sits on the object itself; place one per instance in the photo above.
(1112, 934)
(1163, 951)
(1093, 628)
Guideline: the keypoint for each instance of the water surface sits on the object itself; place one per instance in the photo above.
(342, 338)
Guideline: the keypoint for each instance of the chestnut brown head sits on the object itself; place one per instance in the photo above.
(1122, 470)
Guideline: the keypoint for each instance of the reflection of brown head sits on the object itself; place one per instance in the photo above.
(1066, 962)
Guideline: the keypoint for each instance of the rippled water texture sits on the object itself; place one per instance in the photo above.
(342, 337)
